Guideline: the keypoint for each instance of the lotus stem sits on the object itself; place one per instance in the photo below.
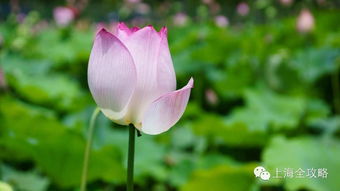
(87, 149)
(131, 157)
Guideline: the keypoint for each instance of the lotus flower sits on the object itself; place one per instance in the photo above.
(221, 21)
(180, 19)
(286, 2)
(132, 79)
(2, 79)
(242, 9)
(63, 15)
(305, 21)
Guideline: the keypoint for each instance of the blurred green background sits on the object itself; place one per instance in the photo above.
(266, 93)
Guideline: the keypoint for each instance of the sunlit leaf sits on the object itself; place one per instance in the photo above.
(305, 153)
(24, 181)
(224, 178)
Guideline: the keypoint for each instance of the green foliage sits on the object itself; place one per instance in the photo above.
(35, 81)
(25, 181)
(264, 112)
(305, 153)
(224, 178)
(311, 64)
(42, 144)
(5, 187)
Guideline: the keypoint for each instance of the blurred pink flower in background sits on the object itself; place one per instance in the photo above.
(3, 83)
(207, 1)
(41, 25)
(214, 8)
(211, 97)
(242, 9)
(133, 1)
(132, 79)
(180, 19)
(63, 15)
(21, 17)
(286, 2)
(143, 8)
(138, 21)
(221, 21)
(268, 38)
(321, 2)
(305, 21)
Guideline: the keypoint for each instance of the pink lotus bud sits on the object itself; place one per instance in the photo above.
(207, 1)
(63, 15)
(242, 9)
(180, 19)
(286, 2)
(41, 25)
(2, 79)
(321, 2)
(133, 1)
(211, 96)
(132, 79)
(221, 21)
(138, 21)
(214, 8)
(143, 8)
(21, 17)
(305, 21)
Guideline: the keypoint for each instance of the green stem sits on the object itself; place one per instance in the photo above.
(87, 149)
(131, 157)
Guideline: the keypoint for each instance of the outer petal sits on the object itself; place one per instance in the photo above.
(122, 31)
(155, 73)
(111, 75)
(164, 112)
(166, 76)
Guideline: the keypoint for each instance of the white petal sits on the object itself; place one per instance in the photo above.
(122, 31)
(155, 73)
(166, 77)
(164, 112)
(111, 75)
